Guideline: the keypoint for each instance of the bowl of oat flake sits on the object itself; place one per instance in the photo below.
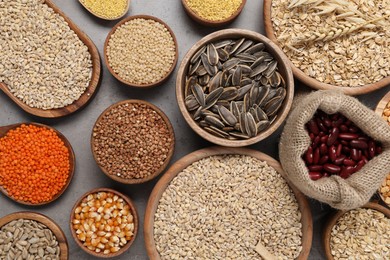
(141, 51)
(132, 141)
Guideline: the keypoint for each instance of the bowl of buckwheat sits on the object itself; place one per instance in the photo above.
(141, 51)
(331, 44)
(234, 87)
(132, 141)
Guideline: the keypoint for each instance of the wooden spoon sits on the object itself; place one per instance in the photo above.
(72, 160)
(263, 252)
(89, 92)
(106, 18)
(49, 223)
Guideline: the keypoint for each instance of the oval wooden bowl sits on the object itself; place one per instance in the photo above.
(169, 155)
(284, 69)
(131, 84)
(211, 23)
(48, 222)
(72, 160)
(85, 97)
(106, 18)
(135, 221)
(379, 111)
(326, 235)
(307, 80)
(176, 168)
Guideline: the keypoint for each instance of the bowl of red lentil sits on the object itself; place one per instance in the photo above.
(213, 12)
(37, 163)
(234, 87)
(330, 49)
(104, 222)
(132, 141)
(383, 110)
(141, 51)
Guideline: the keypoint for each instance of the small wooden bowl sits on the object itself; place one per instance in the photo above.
(72, 160)
(309, 81)
(284, 70)
(48, 222)
(160, 81)
(176, 168)
(89, 92)
(335, 217)
(379, 111)
(211, 23)
(169, 155)
(105, 18)
(133, 212)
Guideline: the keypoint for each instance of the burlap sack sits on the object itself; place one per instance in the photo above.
(339, 193)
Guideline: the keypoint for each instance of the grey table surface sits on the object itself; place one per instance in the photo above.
(77, 127)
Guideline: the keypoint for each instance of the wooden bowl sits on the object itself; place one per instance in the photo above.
(309, 81)
(72, 160)
(211, 23)
(284, 69)
(48, 222)
(89, 92)
(169, 155)
(133, 212)
(176, 168)
(326, 236)
(149, 85)
(105, 18)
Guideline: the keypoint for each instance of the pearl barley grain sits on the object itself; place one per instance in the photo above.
(141, 51)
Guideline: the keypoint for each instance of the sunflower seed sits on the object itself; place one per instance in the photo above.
(263, 94)
(216, 133)
(197, 113)
(196, 56)
(227, 117)
(213, 97)
(241, 121)
(222, 43)
(229, 93)
(257, 62)
(245, 45)
(194, 67)
(271, 68)
(198, 94)
(250, 125)
(229, 64)
(191, 103)
(239, 135)
(262, 125)
(245, 58)
(189, 83)
(272, 106)
(234, 109)
(243, 90)
(201, 71)
(246, 70)
(212, 54)
(259, 69)
(236, 78)
(222, 54)
(204, 80)
(275, 79)
(212, 120)
(255, 48)
(261, 115)
(236, 45)
(211, 70)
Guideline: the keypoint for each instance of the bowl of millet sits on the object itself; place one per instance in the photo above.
(141, 51)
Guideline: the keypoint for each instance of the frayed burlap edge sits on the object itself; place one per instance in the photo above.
(339, 193)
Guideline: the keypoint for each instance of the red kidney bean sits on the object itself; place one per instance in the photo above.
(316, 155)
(360, 144)
(312, 136)
(316, 141)
(315, 175)
(364, 158)
(348, 122)
(353, 129)
(346, 150)
(339, 148)
(356, 154)
(340, 160)
(334, 134)
(371, 149)
(331, 168)
(321, 125)
(349, 162)
(348, 136)
(332, 151)
(313, 127)
(363, 138)
(322, 134)
(359, 165)
(344, 128)
(378, 149)
(338, 122)
(327, 122)
(324, 139)
(323, 149)
(315, 168)
(347, 171)
(309, 155)
(344, 142)
(323, 159)
(335, 117)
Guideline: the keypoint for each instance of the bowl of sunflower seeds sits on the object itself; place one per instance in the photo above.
(234, 87)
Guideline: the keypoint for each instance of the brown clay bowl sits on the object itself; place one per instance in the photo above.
(72, 160)
(211, 23)
(169, 155)
(49, 223)
(135, 221)
(284, 69)
(176, 168)
(335, 217)
(131, 84)
(307, 80)
(379, 111)
(106, 18)
(85, 97)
